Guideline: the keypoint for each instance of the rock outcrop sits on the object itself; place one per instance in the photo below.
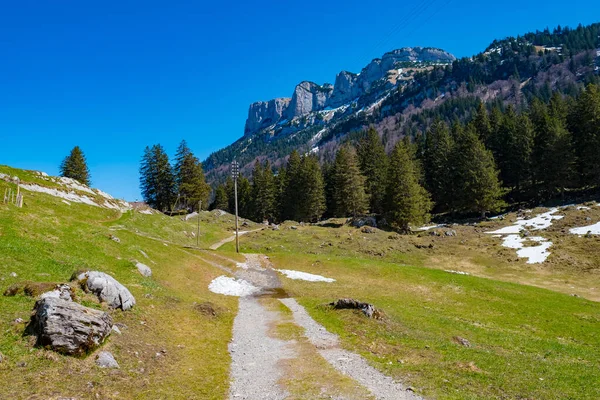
(107, 288)
(68, 327)
(309, 97)
(264, 113)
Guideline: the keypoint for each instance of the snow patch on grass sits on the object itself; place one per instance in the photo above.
(534, 254)
(584, 230)
(304, 276)
(72, 197)
(232, 287)
(428, 227)
(539, 222)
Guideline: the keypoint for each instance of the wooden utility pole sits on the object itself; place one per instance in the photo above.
(235, 172)
(198, 232)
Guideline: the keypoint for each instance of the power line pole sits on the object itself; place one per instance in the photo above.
(235, 172)
(198, 233)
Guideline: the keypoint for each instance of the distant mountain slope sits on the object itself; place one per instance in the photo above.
(400, 93)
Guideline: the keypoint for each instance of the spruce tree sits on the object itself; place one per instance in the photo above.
(349, 197)
(437, 166)
(584, 123)
(311, 199)
(373, 164)
(407, 201)
(263, 192)
(553, 154)
(190, 179)
(157, 181)
(74, 166)
(482, 123)
(477, 187)
(221, 199)
(292, 188)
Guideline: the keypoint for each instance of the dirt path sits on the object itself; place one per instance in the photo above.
(230, 239)
(260, 360)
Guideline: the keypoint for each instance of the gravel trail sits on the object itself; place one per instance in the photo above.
(257, 358)
(255, 355)
(348, 363)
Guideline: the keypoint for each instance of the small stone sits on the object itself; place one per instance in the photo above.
(114, 238)
(21, 364)
(116, 329)
(105, 359)
(2, 358)
(463, 341)
(144, 269)
(19, 321)
(13, 274)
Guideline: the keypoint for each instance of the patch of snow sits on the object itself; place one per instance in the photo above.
(73, 184)
(232, 287)
(534, 254)
(105, 195)
(539, 222)
(583, 208)
(584, 230)
(148, 212)
(428, 227)
(450, 271)
(66, 202)
(190, 216)
(75, 198)
(304, 276)
(314, 150)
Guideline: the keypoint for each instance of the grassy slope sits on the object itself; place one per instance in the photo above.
(47, 240)
(527, 342)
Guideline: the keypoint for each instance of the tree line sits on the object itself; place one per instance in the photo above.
(169, 188)
(501, 155)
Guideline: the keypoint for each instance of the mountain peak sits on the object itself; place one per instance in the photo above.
(309, 96)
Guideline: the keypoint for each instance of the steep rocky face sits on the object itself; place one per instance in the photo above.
(309, 97)
(264, 113)
(345, 89)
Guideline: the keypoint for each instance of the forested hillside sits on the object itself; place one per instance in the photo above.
(510, 72)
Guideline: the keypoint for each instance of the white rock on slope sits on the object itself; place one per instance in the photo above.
(108, 289)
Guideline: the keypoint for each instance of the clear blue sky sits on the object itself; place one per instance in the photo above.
(113, 77)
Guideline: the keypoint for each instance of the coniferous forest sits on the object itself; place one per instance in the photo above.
(500, 157)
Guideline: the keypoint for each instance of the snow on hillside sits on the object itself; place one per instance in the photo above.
(70, 191)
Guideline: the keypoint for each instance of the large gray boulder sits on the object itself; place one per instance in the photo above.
(68, 327)
(108, 289)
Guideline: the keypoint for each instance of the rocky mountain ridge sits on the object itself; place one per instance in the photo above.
(380, 74)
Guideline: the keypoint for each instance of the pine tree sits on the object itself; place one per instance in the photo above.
(263, 192)
(157, 181)
(221, 200)
(407, 201)
(311, 199)
(512, 146)
(482, 123)
(74, 166)
(553, 154)
(584, 123)
(437, 166)
(373, 164)
(291, 188)
(349, 197)
(475, 176)
(190, 178)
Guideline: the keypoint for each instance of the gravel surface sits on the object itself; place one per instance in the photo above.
(255, 355)
(348, 363)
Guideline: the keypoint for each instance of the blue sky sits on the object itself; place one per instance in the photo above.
(113, 77)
